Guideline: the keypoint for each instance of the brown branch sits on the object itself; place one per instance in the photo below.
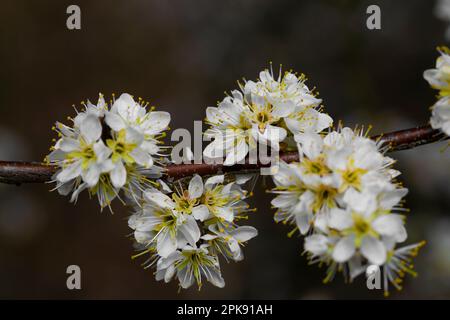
(411, 138)
(15, 172)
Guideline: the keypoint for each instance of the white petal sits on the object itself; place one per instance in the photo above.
(283, 109)
(190, 230)
(118, 175)
(186, 278)
(320, 221)
(91, 175)
(200, 212)
(165, 244)
(338, 159)
(293, 125)
(214, 150)
(159, 198)
(390, 225)
(265, 76)
(65, 188)
(213, 275)
(169, 273)
(356, 267)
(165, 187)
(243, 178)
(244, 233)
(391, 198)
(214, 180)
(101, 151)
(77, 191)
(171, 259)
(68, 144)
(127, 108)
(361, 202)
(311, 143)
(283, 201)
(195, 187)
(132, 220)
(340, 219)
(156, 122)
(141, 157)
(317, 244)
(344, 249)
(105, 166)
(114, 121)
(149, 147)
(225, 213)
(213, 115)
(91, 128)
(134, 136)
(238, 153)
(323, 121)
(303, 221)
(148, 223)
(57, 155)
(208, 237)
(235, 249)
(143, 237)
(271, 136)
(70, 172)
(374, 250)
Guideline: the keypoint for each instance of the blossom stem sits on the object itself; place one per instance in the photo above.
(17, 172)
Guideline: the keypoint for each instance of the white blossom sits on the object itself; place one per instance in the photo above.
(160, 222)
(439, 79)
(189, 265)
(228, 241)
(291, 100)
(186, 230)
(330, 167)
(262, 112)
(109, 149)
(342, 195)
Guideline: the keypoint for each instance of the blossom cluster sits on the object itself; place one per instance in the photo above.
(108, 148)
(343, 197)
(263, 112)
(185, 231)
(439, 79)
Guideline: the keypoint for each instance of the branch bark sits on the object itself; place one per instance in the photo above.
(16, 172)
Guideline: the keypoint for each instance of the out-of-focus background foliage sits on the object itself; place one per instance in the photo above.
(182, 56)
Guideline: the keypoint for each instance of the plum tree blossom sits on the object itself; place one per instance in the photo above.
(343, 196)
(266, 112)
(108, 149)
(186, 230)
(439, 79)
(189, 265)
(338, 189)
(331, 167)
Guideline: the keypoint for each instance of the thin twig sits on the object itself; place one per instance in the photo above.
(16, 172)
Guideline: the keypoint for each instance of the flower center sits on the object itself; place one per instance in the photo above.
(324, 197)
(120, 148)
(195, 261)
(213, 199)
(262, 116)
(86, 154)
(352, 178)
(316, 166)
(183, 203)
(361, 225)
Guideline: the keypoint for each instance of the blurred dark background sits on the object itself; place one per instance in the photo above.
(182, 56)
